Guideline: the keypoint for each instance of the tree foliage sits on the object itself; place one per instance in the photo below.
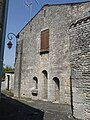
(6, 69)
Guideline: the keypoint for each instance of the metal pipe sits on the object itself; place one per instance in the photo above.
(3, 39)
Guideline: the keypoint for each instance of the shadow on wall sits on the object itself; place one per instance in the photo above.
(14, 110)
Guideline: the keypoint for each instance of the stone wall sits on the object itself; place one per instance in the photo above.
(31, 64)
(80, 68)
(3, 85)
(56, 62)
(17, 78)
(8, 83)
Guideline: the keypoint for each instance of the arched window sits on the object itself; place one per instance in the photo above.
(45, 73)
(35, 81)
(45, 84)
(56, 89)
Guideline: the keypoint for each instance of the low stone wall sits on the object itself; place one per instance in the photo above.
(8, 83)
(3, 85)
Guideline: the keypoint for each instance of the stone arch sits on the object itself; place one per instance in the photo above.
(56, 89)
(35, 81)
(45, 84)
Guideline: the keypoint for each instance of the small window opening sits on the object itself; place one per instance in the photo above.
(44, 13)
(35, 82)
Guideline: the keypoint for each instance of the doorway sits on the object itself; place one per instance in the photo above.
(8, 81)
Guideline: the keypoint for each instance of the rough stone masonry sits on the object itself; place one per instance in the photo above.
(52, 57)
(80, 67)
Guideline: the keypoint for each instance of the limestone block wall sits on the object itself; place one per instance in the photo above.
(3, 85)
(56, 64)
(17, 78)
(80, 68)
(8, 83)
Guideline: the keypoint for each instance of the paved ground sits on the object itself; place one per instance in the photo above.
(11, 109)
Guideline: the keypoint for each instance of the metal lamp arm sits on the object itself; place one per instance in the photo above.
(10, 36)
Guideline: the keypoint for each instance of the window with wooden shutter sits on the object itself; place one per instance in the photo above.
(45, 41)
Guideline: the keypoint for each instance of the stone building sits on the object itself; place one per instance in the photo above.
(52, 57)
(3, 21)
(80, 65)
(8, 83)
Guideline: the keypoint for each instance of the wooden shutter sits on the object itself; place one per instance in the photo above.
(45, 40)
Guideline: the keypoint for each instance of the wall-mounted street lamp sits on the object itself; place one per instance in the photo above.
(10, 37)
(19, 45)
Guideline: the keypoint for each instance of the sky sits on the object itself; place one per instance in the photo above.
(18, 16)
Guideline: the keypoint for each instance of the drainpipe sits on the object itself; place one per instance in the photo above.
(4, 23)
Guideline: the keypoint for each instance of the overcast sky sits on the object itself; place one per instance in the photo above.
(18, 16)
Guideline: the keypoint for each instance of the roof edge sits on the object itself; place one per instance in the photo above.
(72, 3)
